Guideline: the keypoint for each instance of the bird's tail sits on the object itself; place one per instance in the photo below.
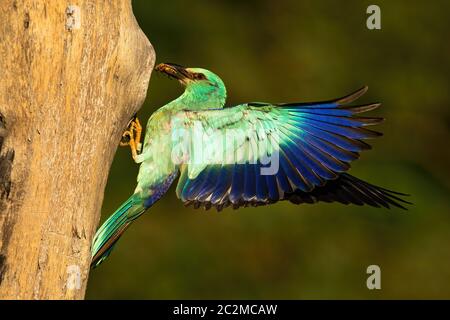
(111, 230)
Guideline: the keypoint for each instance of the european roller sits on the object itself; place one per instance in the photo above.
(252, 154)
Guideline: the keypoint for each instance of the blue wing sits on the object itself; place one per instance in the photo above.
(317, 142)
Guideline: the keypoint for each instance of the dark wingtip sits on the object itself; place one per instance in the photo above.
(362, 108)
(352, 96)
(370, 121)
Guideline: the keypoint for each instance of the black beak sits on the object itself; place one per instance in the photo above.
(174, 71)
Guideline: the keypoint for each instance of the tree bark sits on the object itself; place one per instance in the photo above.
(72, 74)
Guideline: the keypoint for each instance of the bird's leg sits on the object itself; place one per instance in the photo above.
(132, 143)
(132, 137)
(136, 125)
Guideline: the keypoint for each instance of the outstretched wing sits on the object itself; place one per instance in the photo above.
(260, 153)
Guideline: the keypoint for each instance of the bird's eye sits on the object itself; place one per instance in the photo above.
(199, 76)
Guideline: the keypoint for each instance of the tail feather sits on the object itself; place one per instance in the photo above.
(111, 230)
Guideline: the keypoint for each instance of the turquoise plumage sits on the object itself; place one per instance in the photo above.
(251, 154)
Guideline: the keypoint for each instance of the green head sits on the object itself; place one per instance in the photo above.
(203, 88)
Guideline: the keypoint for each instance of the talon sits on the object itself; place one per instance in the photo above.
(137, 124)
(138, 130)
(132, 137)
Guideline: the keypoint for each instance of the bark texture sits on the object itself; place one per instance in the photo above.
(72, 73)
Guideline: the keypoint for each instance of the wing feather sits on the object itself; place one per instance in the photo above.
(312, 143)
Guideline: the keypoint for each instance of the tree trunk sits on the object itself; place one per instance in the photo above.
(72, 74)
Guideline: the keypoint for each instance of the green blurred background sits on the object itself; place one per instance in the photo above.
(286, 51)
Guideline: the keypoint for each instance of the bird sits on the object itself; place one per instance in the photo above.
(252, 154)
